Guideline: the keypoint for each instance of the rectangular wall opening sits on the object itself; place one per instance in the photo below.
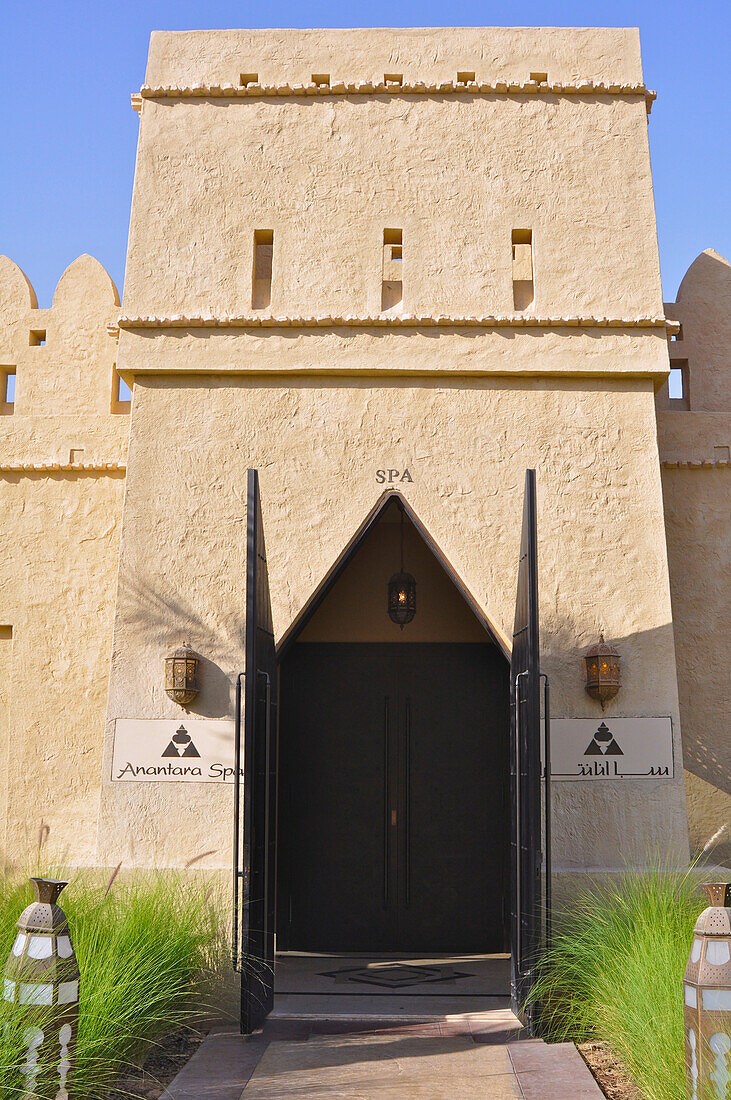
(678, 388)
(261, 294)
(322, 80)
(392, 286)
(37, 337)
(393, 78)
(7, 390)
(248, 78)
(121, 394)
(676, 336)
(540, 78)
(465, 78)
(522, 244)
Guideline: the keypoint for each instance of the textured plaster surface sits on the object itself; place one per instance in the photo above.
(318, 445)
(457, 176)
(697, 510)
(59, 542)
(492, 53)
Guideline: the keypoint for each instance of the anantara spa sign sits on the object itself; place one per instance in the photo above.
(199, 750)
(613, 749)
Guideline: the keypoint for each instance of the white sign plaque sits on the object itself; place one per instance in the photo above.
(196, 750)
(612, 749)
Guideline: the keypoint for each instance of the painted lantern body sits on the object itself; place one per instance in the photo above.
(42, 974)
(707, 999)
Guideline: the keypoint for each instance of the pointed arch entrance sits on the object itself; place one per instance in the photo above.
(394, 820)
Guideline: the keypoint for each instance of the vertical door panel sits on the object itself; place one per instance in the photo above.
(525, 764)
(259, 765)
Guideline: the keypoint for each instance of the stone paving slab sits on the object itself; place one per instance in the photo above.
(388, 1064)
(477, 1059)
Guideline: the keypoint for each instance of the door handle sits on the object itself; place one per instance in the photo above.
(407, 803)
(386, 800)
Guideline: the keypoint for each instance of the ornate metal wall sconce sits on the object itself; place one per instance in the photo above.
(181, 675)
(602, 671)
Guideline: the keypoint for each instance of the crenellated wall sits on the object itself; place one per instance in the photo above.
(694, 435)
(63, 450)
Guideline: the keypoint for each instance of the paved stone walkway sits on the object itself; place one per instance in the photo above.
(477, 1059)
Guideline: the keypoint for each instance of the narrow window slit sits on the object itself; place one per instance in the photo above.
(392, 286)
(522, 243)
(261, 294)
(37, 338)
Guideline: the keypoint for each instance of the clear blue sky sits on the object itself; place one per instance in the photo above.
(69, 134)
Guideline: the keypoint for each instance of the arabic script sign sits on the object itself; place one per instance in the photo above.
(199, 750)
(613, 748)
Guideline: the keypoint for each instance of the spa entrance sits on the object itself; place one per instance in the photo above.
(382, 781)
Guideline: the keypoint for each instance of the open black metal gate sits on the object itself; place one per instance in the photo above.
(255, 772)
(255, 782)
(530, 896)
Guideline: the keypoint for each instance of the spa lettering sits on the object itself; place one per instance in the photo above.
(389, 477)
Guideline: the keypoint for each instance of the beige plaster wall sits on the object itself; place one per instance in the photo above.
(419, 53)
(694, 445)
(319, 410)
(62, 467)
(318, 445)
(456, 174)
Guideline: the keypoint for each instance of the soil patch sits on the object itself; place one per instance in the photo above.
(161, 1066)
(609, 1072)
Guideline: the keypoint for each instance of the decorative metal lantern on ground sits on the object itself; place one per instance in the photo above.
(601, 666)
(42, 975)
(707, 999)
(402, 589)
(181, 675)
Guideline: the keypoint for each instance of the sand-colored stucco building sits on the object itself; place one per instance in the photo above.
(360, 262)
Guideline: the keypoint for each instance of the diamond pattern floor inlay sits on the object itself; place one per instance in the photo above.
(395, 976)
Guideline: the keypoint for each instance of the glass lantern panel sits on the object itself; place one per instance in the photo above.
(691, 997)
(33, 994)
(695, 952)
(718, 953)
(64, 948)
(68, 993)
(716, 1000)
(9, 990)
(19, 944)
(40, 947)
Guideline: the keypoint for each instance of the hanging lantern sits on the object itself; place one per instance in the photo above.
(402, 589)
(42, 972)
(601, 667)
(181, 675)
(707, 999)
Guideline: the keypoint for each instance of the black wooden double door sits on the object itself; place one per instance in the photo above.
(393, 819)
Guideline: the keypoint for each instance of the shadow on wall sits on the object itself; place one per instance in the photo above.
(166, 622)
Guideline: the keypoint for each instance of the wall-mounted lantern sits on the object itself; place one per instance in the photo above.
(181, 675)
(707, 998)
(601, 667)
(42, 979)
(402, 589)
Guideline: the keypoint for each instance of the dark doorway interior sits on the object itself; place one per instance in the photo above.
(393, 827)
(392, 797)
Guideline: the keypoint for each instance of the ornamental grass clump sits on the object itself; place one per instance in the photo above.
(615, 969)
(147, 949)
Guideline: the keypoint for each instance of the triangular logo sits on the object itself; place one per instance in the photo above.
(603, 743)
(181, 744)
